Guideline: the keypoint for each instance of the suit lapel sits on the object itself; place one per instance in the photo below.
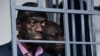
(19, 51)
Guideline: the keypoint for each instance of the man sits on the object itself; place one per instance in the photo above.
(30, 26)
(53, 32)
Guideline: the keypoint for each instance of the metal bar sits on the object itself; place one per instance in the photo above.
(65, 5)
(94, 30)
(83, 29)
(40, 3)
(13, 28)
(44, 41)
(57, 18)
(73, 29)
(66, 29)
(93, 35)
(57, 3)
(41, 41)
(57, 10)
(89, 5)
(83, 35)
(91, 8)
(90, 29)
(49, 4)
(57, 14)
(98, 43)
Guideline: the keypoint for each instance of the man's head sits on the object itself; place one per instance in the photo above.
(53, 32)
(31, 24)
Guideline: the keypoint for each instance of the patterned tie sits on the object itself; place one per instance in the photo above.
(39, 51)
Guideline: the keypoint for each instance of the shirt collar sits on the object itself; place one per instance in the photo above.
(23, 49)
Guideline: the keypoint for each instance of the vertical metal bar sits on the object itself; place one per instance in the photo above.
(91, 7)
(73, 29)
(57, 18)
(90, 33)
(57, 3)
(93, 36)
(83, 29)
(40, 3)
(93, 29)
(66, 34)
(83, 35)
(13, 28)
(49, 4)
(65, 5)
(66, 29)
(57, 14)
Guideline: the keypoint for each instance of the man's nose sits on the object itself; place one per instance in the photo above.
(39, 28)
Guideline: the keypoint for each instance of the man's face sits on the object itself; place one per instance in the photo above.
(53, 32)
(33, 28)
(57, 36)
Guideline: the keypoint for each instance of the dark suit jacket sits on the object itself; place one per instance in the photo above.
(6, 50)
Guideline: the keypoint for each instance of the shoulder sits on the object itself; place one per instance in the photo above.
(5, 46)
(5, 50)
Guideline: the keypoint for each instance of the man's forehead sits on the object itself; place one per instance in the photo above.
(38, 18)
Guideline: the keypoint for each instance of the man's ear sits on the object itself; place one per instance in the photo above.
(17, 25)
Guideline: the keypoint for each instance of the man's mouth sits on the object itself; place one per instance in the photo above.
(37, 36)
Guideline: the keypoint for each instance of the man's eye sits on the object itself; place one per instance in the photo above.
(43, 24)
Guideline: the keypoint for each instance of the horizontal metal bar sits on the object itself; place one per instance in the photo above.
(40, 41)
(47, 41)
(38, 9)
(57, 10)
(96, 43)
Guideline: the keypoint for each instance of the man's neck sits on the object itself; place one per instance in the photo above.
(30, 48)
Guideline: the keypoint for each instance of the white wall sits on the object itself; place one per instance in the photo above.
(5, 23)
(96, 2)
